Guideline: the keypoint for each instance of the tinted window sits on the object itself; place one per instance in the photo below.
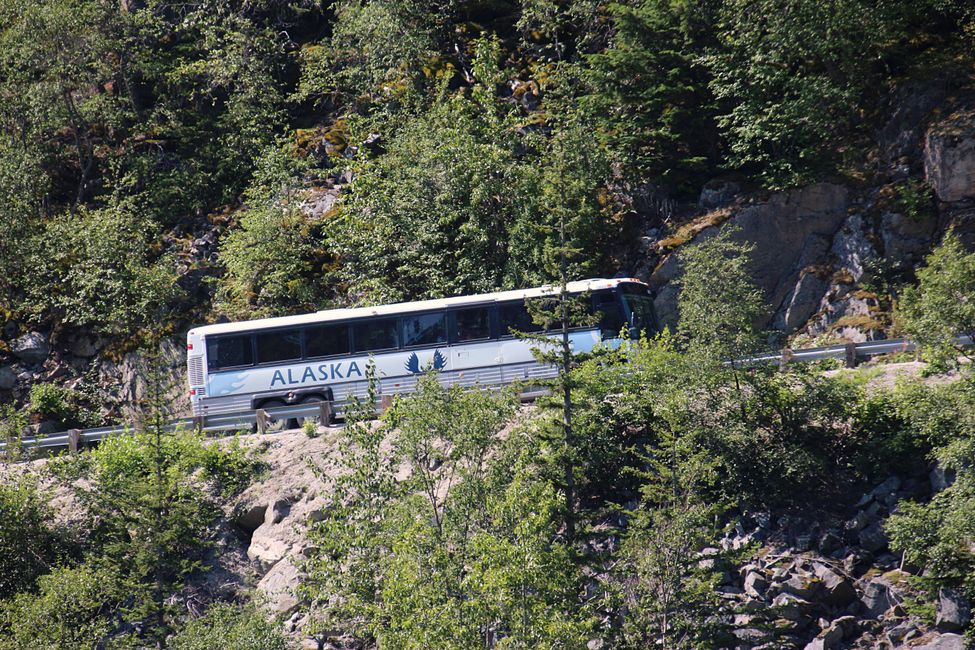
(473, 324)
(375, 335)
(610, 314)
(640, 305)
(229, 351)
(514, 316)
(424, 329)
(327, 340)
(280, 345)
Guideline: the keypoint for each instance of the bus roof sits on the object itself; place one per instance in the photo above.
(404, 307)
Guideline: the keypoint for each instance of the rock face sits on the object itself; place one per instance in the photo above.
(792, 232)
(8, 378)
(949, 157)
(954, 611)
(31, 348)
(280, 587)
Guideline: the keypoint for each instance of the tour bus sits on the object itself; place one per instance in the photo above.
(468, 340)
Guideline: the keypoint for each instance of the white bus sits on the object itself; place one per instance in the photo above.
(236, 367)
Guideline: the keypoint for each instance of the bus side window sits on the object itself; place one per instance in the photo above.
(327, 340)
(424, 329)
(229, 351)
(515, 316)
(473, 324)
(611, 319)
(375, 335)
(279, 345)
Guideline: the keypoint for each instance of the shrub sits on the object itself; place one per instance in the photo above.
(72, 608)
(28, 546)
(230, 626)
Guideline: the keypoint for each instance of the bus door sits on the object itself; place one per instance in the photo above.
(475, 355)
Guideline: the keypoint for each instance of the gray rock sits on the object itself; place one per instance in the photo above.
(954, 611)
(755, 584)
(935, 641)
(718, 193)
(277, 511)
(877, 598)
(791, 232)
(84, 347)
(280, 588)
(827, 639)
(906, 240)
(31, 347)
(873, 538)
(805, 587)
(851, 247)
(837, 590)
(8, 378)
(941, 478)
(250, 517)
(889, 486)
(949, 157)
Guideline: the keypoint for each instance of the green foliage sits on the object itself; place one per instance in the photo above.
(272, 264)
(98, 269)
(360, 64)
(28, 546)
(648, 97)
(231, 465)
(54, 402)
(939, 534)
(672, 597)
(72, 608)
(915, 199)
(459, 550)
(718, 302)
(789, 77)
(230, 626)
(13, 424)
(940, 307)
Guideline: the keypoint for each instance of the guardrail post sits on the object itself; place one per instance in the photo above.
(262, 420)
(851, 355)
(325, 413)
(198, 423)
(786, 358)
(74, 440)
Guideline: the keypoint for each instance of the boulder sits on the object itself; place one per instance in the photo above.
(954, 611)
(8, 378)
(718, 193)
(792, 231)
(906, 240)
(280, 588)
(277, 511)
(84, 347)
(250, 517)
(935, 641)
(941, 478)
(827, 639)
(873, 538)
(31, 347)
(755, 584)
(837, 590)
(805, 587)
(268, 544)
(949, 157)
(877, 598)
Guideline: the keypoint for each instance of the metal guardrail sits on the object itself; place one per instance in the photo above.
(850, 352)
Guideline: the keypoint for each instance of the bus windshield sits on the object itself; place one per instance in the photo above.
(639, 308)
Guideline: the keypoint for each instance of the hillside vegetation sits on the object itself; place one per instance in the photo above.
(778, 171)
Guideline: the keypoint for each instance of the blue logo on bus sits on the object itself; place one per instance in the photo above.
(413, 363)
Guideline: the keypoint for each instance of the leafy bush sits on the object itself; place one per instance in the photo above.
(52, 402)
(97, 269)
(273, 264)
(230, 626)
(28, 546)
(940, 307)
(72, 608)
(232, 466)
